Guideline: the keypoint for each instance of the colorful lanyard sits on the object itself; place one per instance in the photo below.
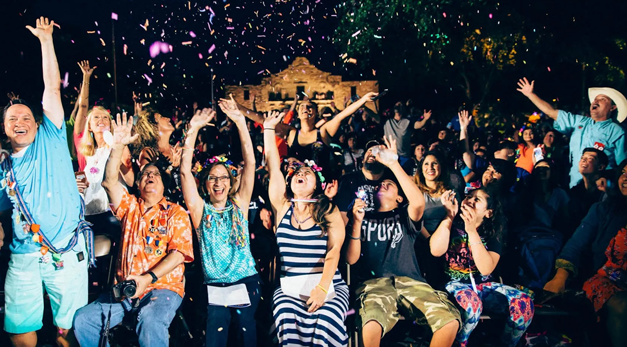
(84, 227)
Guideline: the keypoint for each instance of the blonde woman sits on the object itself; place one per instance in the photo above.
(93, 152)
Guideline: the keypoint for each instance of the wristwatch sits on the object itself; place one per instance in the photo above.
(154, 277)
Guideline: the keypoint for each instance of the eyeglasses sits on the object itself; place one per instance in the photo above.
(154, 173)
(213, 179)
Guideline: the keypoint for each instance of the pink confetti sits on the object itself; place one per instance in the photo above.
(444, 14)
(490, 16)
(212, 48)
(159, 47)
(548, 68)
(114, 16)
(192, 34)
(148, 79)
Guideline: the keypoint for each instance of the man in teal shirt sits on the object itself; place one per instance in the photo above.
(597, 131)
(37, 182)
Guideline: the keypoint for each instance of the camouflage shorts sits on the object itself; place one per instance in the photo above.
(381, 299)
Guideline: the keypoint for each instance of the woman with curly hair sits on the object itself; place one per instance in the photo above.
(219, 213)
(471, 243)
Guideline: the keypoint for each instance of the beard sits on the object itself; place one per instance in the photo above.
(374, 167)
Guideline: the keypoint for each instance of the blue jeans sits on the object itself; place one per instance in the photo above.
(242, 320)
(156, 311)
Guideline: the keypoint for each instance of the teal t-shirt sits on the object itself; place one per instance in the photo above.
(46, 181)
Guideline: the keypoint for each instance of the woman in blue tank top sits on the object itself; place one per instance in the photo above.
(219, 213)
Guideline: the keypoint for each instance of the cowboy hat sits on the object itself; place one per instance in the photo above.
(618, 99)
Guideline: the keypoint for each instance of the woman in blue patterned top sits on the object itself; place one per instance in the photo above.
(220, 216)
(310, 234)
(471, 245)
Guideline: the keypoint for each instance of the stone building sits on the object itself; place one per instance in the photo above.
(278, 90)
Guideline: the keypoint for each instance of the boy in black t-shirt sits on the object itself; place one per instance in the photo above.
(381, 244)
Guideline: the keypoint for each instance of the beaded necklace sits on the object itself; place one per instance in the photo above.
(220, 219)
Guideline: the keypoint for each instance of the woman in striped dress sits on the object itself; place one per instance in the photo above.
(310, 234)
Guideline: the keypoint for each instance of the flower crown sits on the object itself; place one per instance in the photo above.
(309, 163)
(220, 160)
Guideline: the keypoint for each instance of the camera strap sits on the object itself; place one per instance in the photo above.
(106, 334)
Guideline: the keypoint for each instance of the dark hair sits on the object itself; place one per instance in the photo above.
(165, 178)
(508, 173)
(521, 139)
(319, 209)
(204, 175)
(506, 145)
(16, 102)
(444, 181)
(603, 160)
(554, 179)
(494, 226)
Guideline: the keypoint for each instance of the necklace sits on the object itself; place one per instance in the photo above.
(297, 220)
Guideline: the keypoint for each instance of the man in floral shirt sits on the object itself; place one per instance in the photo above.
(156, 241)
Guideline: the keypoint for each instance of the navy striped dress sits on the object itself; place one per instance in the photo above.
(303, 252)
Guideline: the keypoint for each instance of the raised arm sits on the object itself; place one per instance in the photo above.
(438, 243)
(329, 129)
(53, 108)
(247, 181)
(468, 155)
(83, 97)
(276, 188)
(353, 252)
(193, 200)
(121, 138)
(414, 196)
(527, 89)
(280, 129)
(419, 124)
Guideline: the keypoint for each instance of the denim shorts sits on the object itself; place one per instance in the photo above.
(26, 280)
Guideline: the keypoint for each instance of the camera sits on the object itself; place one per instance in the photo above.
(124, 289)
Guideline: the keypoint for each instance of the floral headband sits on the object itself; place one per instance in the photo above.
(220, 160)
(309, 163)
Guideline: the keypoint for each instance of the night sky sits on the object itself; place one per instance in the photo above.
(241, 40)
(244, 41)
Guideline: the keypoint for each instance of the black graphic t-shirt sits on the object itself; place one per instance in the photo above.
(387, 246)
(460, 264)
(349, 187)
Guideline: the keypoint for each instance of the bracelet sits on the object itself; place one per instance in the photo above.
(324, 290)
(475, 243)
(264, 129)
(355, 238)
(188, 148)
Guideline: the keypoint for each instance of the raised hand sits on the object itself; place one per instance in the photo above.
(358, 210)
(388, 155)
(122, 130)
(369, 96)
(331, 189)
(464, 119)
(84, 65)
(43, 29)
(525, 87)
(450, 204)
(232, 111)
(426, 114)
(202, 119)
(272, 119)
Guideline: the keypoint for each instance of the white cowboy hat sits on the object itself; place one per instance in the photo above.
(618, 99)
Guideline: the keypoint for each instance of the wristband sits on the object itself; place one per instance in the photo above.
(475, 243)
(324, 290)
(154, 277)
(355, 238)
(264, 129)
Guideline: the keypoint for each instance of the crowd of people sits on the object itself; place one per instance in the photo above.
(434, 219)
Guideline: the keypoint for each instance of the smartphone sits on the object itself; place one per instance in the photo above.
(385, 91)
(80, 176)
(537, 153)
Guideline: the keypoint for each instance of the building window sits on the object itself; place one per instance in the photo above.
(246, 94)
(353, 92)
(300, 90)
